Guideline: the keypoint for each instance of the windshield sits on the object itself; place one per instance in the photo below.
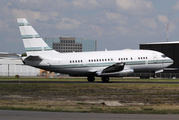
(163, 56)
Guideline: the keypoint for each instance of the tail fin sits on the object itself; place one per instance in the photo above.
(33, 43)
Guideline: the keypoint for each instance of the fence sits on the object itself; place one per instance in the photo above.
(142, 75)
(159, 75)
(19, 73)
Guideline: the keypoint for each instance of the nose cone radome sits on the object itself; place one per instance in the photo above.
(171, 61)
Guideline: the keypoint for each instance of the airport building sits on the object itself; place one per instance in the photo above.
(170, 49)
(71, 44)
(11, 65)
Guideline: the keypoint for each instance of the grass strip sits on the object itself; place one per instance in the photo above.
(71, 97)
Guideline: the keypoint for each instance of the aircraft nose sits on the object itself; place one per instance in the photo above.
(171, 61)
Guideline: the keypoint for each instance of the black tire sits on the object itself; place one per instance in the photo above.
(105, 79)
(91, 78)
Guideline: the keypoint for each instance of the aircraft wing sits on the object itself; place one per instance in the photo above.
(116, 69)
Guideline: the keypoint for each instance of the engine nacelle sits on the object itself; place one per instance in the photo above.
(125, 72)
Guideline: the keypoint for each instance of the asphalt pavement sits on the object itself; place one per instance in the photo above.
(32, 115)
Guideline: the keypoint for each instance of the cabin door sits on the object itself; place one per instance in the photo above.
(155, 57)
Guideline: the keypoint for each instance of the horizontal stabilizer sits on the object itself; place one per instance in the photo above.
(34, 58)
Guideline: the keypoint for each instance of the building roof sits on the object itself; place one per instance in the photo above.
(2, 54)
(6, 58)
(173, 42)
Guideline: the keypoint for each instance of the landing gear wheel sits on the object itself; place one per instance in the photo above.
(105, 79)
(91, 78)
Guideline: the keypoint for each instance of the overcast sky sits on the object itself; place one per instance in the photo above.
(114, 24)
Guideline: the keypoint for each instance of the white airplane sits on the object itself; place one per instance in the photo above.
(103, 64)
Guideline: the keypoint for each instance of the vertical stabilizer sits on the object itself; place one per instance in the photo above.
(33, 43)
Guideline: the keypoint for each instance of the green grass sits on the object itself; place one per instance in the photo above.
(82, 79)
(63, 97)
(77, 89)
(39, 79)
(123, 110)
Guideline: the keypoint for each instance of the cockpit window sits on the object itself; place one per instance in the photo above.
(163, 56)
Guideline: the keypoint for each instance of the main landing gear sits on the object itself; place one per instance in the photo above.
(92, 78)
(105, 79)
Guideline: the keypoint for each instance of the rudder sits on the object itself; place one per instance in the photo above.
(33, 43)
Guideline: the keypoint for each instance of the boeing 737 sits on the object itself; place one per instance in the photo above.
(104, 64)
